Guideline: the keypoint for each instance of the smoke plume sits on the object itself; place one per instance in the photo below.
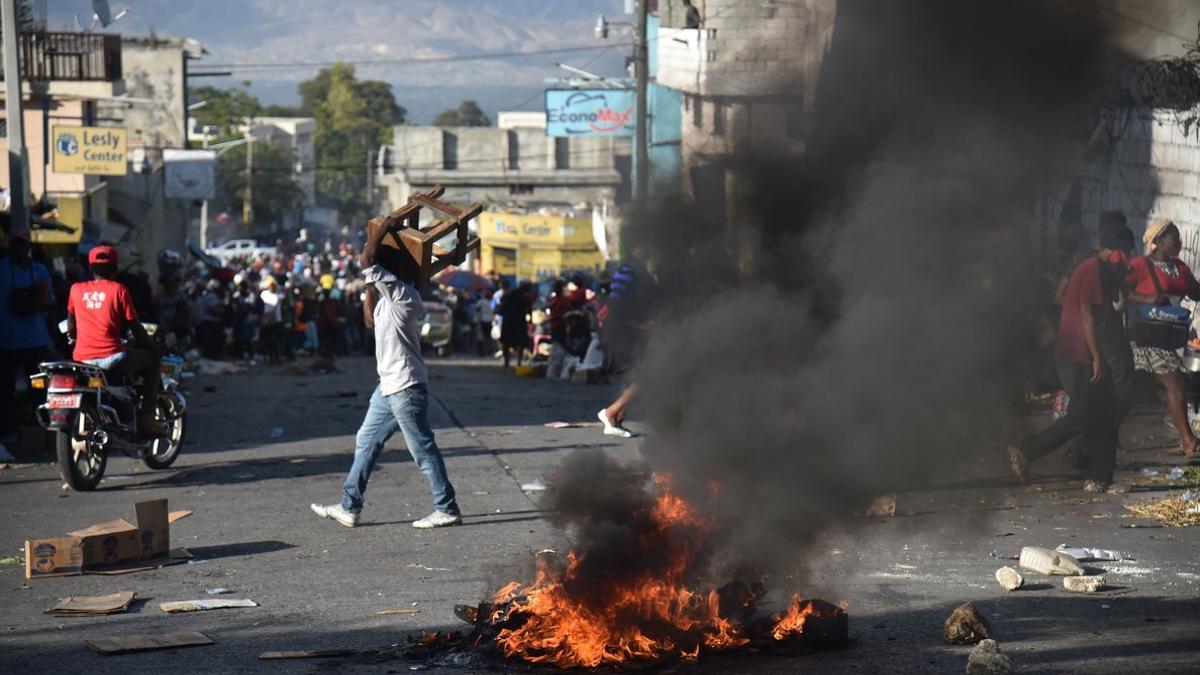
(865, 320)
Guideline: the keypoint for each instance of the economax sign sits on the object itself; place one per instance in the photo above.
(89, 150)
(596, 112)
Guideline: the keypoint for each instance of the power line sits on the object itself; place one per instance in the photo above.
(407, 61)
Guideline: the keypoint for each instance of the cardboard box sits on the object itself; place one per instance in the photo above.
(154, 530)
(104, 545)
(109, 543)
(53, 557)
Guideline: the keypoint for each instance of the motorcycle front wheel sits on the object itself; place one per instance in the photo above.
(80, 465)
(164, 451)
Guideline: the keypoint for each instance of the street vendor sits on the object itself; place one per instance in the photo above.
(401, 399)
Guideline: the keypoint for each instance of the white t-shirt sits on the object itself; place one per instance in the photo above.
(398, 315)
(483, 310)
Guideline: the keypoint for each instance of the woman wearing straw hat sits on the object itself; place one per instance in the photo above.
(1160, 278)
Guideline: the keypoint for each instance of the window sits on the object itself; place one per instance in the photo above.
(697, 112)
(562, 153)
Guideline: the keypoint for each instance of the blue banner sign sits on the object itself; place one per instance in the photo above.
(590, 112)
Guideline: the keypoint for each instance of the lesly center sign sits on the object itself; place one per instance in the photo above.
(90, 150)
(590, 112)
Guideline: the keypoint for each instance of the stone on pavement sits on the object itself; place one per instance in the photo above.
(986, 659)
(966, 626)
(1009, 578)
(1083, 584)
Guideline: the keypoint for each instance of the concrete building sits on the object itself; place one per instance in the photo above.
(739, 85)
(59, 91)
(494, 165)
(299, 134)
(537, 244)
(154, 114)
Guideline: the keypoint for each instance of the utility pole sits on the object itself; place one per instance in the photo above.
(370, 181)
(641, 72)
(248, 204)
(18, 158)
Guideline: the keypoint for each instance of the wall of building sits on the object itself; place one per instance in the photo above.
(491, 165)
(153, 70)
(539, 244)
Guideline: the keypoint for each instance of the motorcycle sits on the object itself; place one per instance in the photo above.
(94, 412)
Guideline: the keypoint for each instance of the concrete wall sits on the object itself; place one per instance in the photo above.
(153, 69)
(1152, 170)
(493, 165)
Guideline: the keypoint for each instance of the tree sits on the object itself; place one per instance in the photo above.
(276, 190)
(353, 118)
(226, 109)
(468, 114)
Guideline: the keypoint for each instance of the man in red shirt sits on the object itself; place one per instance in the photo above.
(1088, 315)
(98, 313)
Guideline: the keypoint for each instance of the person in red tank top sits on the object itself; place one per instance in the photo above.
(98, 313)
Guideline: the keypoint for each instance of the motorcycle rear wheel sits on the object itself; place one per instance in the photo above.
(164, 451)
(80, 465)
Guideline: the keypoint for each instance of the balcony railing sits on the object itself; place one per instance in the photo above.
(76, 57)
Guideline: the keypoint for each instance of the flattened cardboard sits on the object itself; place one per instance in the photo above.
(176, 557)
(53, 557)
(143, 643)
(110, 543)
(204, 604)
(178, 515)
(154, 529)
(93, 605)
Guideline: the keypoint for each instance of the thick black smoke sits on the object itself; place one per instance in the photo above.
(865, 320)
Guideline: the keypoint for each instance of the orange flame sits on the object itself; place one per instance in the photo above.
(651, 616)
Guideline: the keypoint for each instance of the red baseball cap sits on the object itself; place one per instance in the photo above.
(102, 254)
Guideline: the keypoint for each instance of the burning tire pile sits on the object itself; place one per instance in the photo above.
(581, 615)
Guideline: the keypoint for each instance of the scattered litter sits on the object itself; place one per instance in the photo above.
(1009, 578)
(176, 556)
(536, 485)
(1179, 511)
(10, 560)
(276, 432)
(106, 548)
(481, 493)
(1045, 561)
(143, 643)
(1092, 554)
(1175, 473)
(570, 425)
(1083, 584)
(402, 610)
(1149, 472)
(218, 591)
(882, 507)
(94, 605)
(204, 604)
(210, 367)
(986, 659)
(966, 626)
(428, 569)
(316, 654)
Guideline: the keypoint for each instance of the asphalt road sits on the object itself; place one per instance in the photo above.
(320, 585)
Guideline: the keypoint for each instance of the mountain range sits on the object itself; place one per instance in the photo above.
(260, 40)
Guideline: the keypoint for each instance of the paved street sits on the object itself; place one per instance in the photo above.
(320, 585)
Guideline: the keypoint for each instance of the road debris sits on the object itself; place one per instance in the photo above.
(398, 611)
(966, 626)
(1009, 578)
(143, 643)
(218, 591)
(1048, 562)
(535, 485)
(92, 605)
(882, 507)
(570, 425)
(1178, 511)
(1083, 554)
(205, 604)
(1083, 584)
(314, 654)
(11, 560)
(986, 659)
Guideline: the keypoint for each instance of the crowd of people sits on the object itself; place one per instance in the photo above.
(1117, 314)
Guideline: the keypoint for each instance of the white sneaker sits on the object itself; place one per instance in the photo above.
(611, 429)
(437, 519)
(336, 512)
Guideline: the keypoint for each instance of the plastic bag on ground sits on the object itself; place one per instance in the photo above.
(1084, 554)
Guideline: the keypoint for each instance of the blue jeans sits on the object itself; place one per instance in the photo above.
(407, 411)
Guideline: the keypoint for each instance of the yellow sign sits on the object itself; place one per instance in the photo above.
(90, 150)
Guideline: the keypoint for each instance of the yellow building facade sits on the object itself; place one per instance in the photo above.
(536, 245)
